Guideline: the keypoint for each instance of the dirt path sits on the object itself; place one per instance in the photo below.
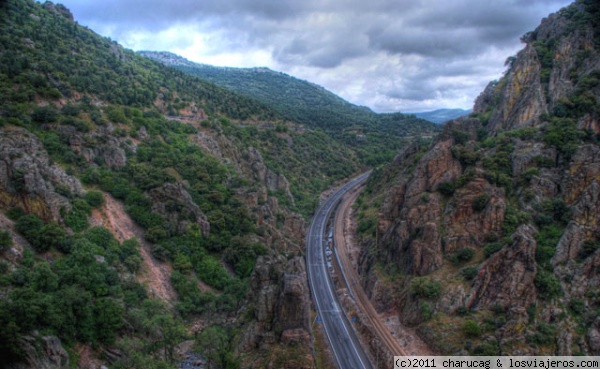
(403, 341)
(155, 275)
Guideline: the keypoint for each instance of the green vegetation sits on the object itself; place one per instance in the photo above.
(306, 103)
(468, 273)
(425, 287)
(5, 241)
(471, 329)
(462, 256)
(61, 82)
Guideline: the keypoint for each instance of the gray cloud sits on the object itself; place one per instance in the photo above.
(387, 54)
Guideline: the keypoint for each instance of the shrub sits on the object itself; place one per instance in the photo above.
(29, 226)
(15, 213)
(480, 202)
(447, 188)
(426, 311)
(471, 329)
(486, 349)
(577, 306)
(544, 334)
(94, 199)
(492, 248)
(462, 255)
(425, 287)
(547, 284)
(468, 273)
(5, 241)
(589, 247)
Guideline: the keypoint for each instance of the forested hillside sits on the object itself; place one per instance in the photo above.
(376, 137)
(489, 238)
(141, 206)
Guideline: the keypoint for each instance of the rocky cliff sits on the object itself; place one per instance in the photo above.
(492, 231)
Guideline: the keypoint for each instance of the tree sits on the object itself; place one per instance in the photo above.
(5, 241)
(216, 347)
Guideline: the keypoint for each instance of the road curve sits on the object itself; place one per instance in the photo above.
(344, 343)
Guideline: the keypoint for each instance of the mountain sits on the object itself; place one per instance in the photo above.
(142, 207)
(440, 116)
(489, 237)
(312, 105)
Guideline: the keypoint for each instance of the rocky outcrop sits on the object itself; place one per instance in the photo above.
(506, 279)
(543, 75)
(281, 312)
(522, 97)
(100, 147)
(43, 353)
(273, 181)
(28, 179)
(174, 203)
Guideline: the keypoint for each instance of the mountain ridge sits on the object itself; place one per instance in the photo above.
(440, 116)
(493, 230)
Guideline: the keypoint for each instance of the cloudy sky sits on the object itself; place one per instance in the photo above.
(390, 55)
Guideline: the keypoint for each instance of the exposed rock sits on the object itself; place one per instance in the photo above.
(281, 298)
(174, 203)
(593, 337)
(59, 9)
(570, 243)
(43, 353)
(99, 145)
(29, 180)
(506, 278)
(264, 175)
(467, 227)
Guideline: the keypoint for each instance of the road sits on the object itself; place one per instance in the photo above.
(344, 343)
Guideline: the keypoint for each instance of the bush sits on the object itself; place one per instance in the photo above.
(468, 273)
(5, 241)
(94, 199)
(426, 311)
(15, 213)
(462, 255)
(492, 248)
(480, 202)
(447, 188)
(589, 247)
(425, 287)
(547, 284)
(471, 329)
(577, 306)
(544, 334)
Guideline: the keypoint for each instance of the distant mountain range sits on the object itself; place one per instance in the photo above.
(295, 99)
(440, 116)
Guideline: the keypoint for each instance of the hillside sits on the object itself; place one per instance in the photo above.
(313, 106)
(489, 238)
(142, 207)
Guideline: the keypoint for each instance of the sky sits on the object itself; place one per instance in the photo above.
(389, 55)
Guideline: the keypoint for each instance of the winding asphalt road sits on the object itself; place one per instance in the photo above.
(343, 341)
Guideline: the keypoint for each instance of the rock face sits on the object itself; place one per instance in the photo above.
(411, 211)
(43, 353)
(282, 302)
(29, 180)
(498, 215)
(101, 146)
(272, 180)
(506, 278)
(174, 203)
